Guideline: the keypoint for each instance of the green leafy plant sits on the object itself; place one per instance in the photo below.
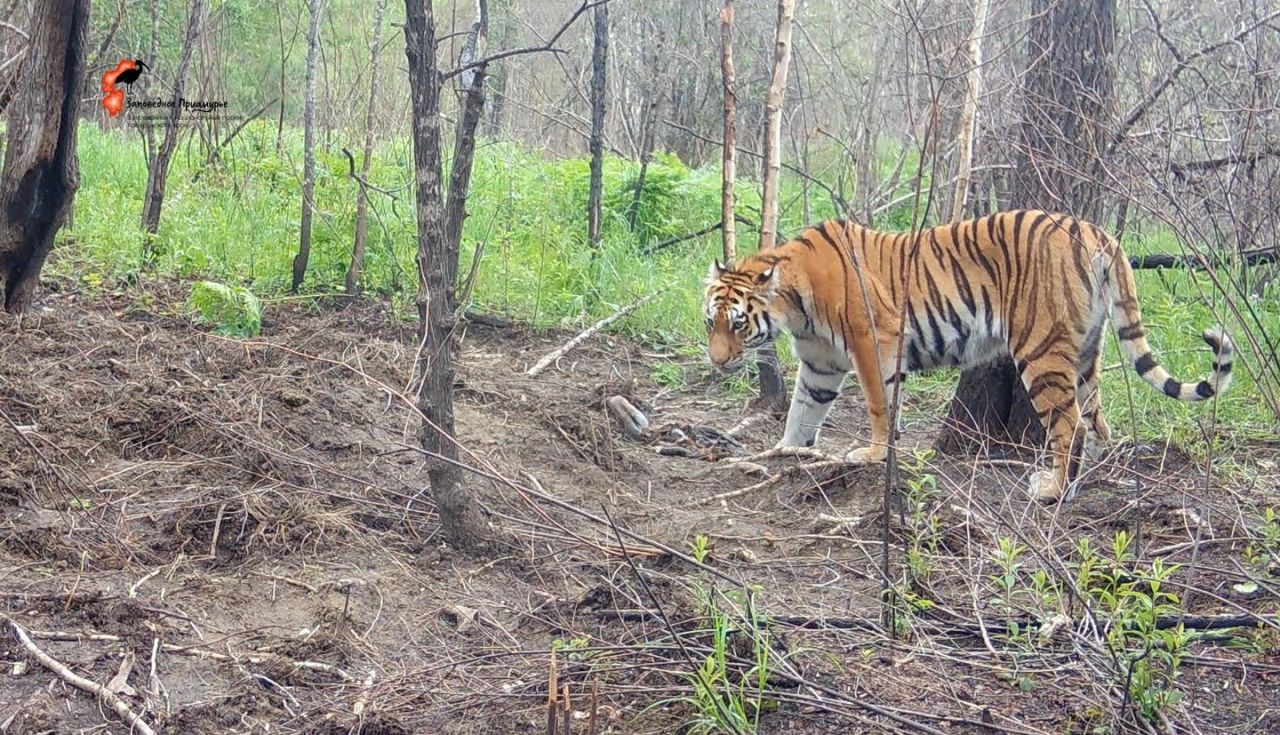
(923, 526)
(1264, 549)
(667, 374)
(574, 649)
(1134, 601)
(700, 548)
(230, 310)
(726, 698)
(1008, 557)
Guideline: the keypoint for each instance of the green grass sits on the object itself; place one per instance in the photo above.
(237, 224)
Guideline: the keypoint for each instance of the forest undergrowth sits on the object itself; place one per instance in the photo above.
(234, 223)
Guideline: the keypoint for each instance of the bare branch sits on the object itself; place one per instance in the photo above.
(548, 47)
(1235, 159)
(108, 698)
(586, 334)
(1138, 111)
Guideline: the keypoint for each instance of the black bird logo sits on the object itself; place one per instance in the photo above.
(126, 72)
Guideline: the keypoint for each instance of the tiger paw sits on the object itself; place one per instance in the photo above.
(1044, 487)
(866, 455)
(786, 443)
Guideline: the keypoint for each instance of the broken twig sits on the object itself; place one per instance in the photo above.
(586, 334)
(136, 723)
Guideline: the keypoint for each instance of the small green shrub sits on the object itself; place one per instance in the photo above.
(1132, 601)
(230, 310)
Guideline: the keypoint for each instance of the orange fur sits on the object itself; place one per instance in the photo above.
(1033, 284)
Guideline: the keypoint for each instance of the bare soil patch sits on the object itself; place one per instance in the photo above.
(244, 528)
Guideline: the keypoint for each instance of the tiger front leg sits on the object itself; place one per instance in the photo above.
(816, 391)
(878, 449)
(874, 375)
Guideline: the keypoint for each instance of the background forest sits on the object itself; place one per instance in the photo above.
(300, 429)
(1189, 166)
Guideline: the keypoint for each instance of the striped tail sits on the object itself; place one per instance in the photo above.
(1126, 317)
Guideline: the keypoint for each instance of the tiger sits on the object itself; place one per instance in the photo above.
(1035, 285)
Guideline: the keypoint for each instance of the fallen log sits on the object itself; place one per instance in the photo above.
(1260, 256)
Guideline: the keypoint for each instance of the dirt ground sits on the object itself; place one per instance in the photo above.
(238, 536)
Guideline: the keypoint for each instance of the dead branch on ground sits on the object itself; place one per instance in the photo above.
(108, 697)
(586, 334)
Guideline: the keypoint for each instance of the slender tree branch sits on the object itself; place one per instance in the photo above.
(650, 249)
(548, 47)
(1138, 111)
(351, 171)
(1211, 164)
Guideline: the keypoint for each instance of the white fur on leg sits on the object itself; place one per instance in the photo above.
(803, 422)
(807, 413)
(1044, 487)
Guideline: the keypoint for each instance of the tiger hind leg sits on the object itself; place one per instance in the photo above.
(1089, 391)
(1051, 384)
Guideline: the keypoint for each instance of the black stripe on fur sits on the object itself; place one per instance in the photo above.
(1145, 364)
(821, 395)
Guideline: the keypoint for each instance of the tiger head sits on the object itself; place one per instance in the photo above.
(737, 311)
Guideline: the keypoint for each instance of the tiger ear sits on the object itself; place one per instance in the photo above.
(765, 275)
(716, 270)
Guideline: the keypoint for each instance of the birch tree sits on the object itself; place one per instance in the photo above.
(308, 148)
(771, 386)
(771, 154)
(599, 59)
(729, 154)
(352, 281)
(969, 115)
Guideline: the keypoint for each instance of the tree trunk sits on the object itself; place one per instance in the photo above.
(283, 91)
(599, 57)
(771, 148)
(148, 83)
(460, 519)
(1067, 103)
(472, 88)
(1068, 99)
(308, 148)
(362, 201)
(969, 115)
(40, 176)
(648, 121)
(729, 152)
(158, 174)
(500, 20)
(771, 384)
